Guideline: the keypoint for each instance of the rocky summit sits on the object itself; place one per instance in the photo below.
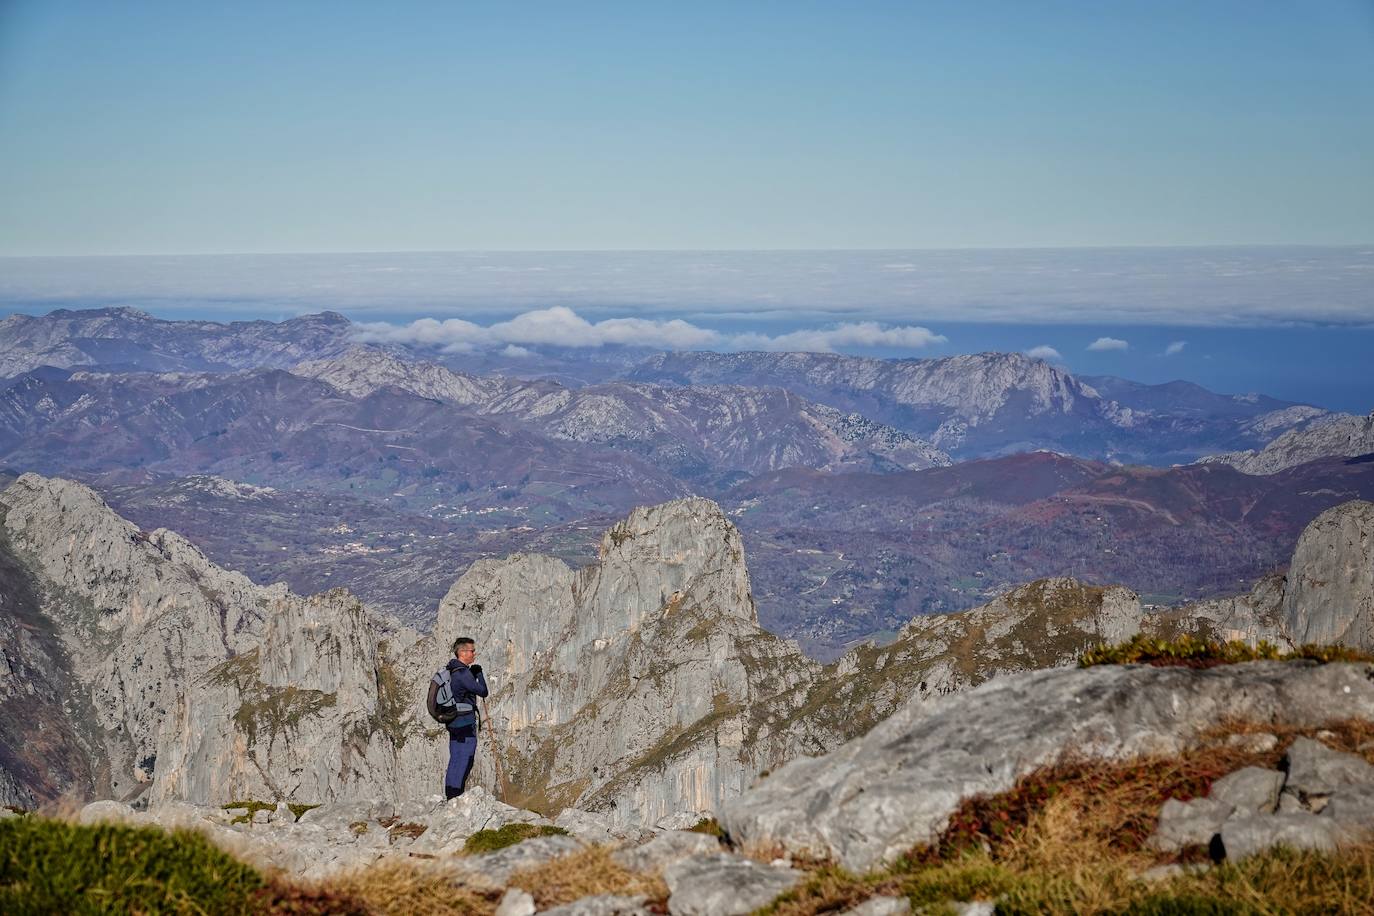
(640, 687)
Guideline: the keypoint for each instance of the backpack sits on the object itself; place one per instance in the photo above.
(443, 706)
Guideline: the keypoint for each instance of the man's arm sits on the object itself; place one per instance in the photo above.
(464, 678)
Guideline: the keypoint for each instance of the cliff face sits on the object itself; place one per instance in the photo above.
(1330, 595)
(639, 687)
(203, 685)
(626, 687)
(1339, 435)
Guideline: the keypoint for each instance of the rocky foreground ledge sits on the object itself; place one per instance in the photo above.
(896, 788)
(877, 796)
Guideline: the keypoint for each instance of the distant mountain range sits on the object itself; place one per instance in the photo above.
(980, 405)
(840, 470)
(990, 404)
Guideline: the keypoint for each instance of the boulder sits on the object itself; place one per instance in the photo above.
(1245, 836)
(590, 827)
(1250, 790)
(106, 812)
(1330, 593)
(665, 849)
(604, 905)
(497, 867)
(1352, 807)
(724, 885)
(881, 906)
(876, 797)
(516, 902)
(1190, 823)
(1315, 769)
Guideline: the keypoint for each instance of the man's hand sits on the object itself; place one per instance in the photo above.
(476, 670)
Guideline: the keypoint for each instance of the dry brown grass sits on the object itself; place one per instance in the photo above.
(399, 888)
(1070, 839)
(585, 873)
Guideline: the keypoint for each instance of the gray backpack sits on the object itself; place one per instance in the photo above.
(443, 706)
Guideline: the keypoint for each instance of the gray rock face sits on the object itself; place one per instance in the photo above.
(1251, 790)
(1245, 836)
(1315, 769)
(665, 849)
(1330, 594)
(724, 885)
(629, 692)
(881, 906)
(878, 796)
(603, 905)
(207, 687)
(1322, 436)
(1191, 823)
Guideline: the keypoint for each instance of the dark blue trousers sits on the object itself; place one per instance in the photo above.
(461, 751)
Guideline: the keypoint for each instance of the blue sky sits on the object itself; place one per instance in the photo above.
(160, 128)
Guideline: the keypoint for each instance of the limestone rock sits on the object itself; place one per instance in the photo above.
(1330, 594)
(1250, 790)
(1352, 807)
(105, 812)
(1322, 436)
(515, 902)
(1189, 823)
(724, 885)
(877, 796)
(881, 906)
(497, 867)
(604, 905)
(665, 849)
(1244, 836)
(1315, 769)
(631, 691)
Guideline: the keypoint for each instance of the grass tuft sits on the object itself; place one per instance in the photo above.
(585, 873)
(1192, 652)
(393, 888)
(709, 826)
(51, 866)
(299, 809)
(509, 835)
(250, 808)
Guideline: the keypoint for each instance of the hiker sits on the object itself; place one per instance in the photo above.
(453, 694)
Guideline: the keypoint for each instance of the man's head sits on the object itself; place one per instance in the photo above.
(465, 649)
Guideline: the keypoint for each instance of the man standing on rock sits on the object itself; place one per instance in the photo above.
(467, 683)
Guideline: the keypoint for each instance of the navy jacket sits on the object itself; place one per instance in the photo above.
(466, 689)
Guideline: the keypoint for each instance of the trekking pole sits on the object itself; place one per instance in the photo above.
(496, 753)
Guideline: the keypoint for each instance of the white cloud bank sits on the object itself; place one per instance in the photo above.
(1045, 351)
(1222, 287)
(561, 326)
(1175, 348)
(1108, 343)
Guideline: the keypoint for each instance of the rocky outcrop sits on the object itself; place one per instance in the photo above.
(1325, 436)
(876, 797)
(640, 688)
(1321, 800)
(1330, 593)
(628, 687)
(203, 685)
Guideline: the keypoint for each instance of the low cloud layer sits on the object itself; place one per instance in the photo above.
(1108, 343)
(1045, 351)
(1175, 348)
(561, 326)
(1147, 286)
